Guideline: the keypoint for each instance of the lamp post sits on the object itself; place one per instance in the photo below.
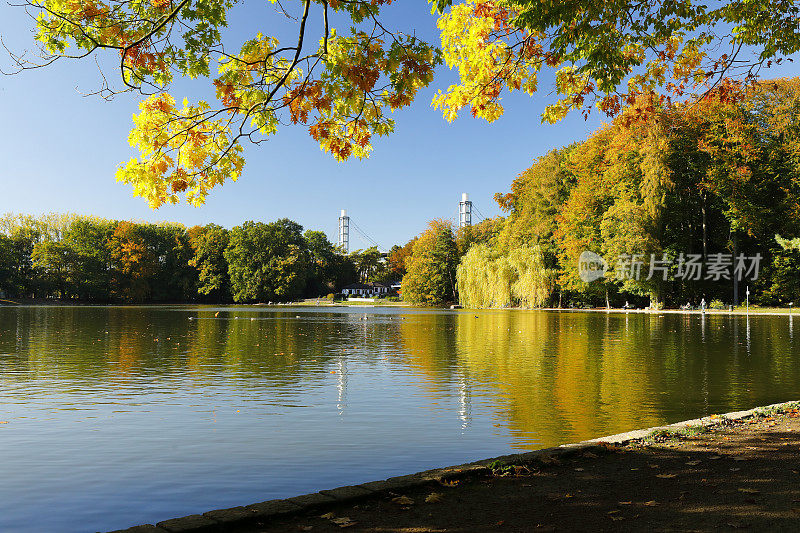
(747, 293)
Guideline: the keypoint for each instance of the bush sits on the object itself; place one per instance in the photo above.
(717, 304)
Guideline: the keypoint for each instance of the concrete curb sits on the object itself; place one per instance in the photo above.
(226, 519)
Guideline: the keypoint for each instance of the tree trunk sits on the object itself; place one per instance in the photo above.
(705, 226)
(733, 276)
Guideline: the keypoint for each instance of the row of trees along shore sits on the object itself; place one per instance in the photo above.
(718, 175)
(711, 176)
(75, 257)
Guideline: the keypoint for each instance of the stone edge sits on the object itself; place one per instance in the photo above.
(224, 519)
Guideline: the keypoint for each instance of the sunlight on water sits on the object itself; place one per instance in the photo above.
(115, 416)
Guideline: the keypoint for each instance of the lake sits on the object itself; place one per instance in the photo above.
(116, 416)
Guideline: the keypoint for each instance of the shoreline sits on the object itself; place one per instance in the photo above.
(254, 514)
(770, 311)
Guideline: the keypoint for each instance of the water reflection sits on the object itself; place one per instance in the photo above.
(262, 403)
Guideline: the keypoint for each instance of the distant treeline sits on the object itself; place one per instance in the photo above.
(84, 258)
(684, 202)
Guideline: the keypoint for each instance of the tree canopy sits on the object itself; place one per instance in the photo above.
(93, 259)
(714, 179)
(342, 85)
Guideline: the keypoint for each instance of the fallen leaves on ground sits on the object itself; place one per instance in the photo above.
(343, 521)
(403, 500)
(434, 497)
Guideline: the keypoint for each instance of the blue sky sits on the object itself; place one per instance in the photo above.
(59, 150)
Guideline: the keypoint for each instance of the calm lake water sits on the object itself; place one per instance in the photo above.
(116, 416)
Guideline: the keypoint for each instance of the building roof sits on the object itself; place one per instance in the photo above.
(357, 286)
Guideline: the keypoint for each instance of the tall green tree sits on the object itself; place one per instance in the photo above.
(431, 268)
(267, 261)
(209, 260)
(330, 270)
(367, 263)
(88, 239)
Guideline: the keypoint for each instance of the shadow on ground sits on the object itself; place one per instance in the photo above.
(739, 477)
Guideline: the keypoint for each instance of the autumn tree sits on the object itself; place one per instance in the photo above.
(397, 259)
(607, 54)
(133, 263)
(342, 85)
(708, 176)
(431, 267)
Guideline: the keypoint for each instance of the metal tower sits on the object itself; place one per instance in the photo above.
(344, 231)
(464, 211)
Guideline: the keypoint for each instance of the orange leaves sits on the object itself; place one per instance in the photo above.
(361, 76)
(226, 93)
(139, 57)
(305, 98)
(161, 4)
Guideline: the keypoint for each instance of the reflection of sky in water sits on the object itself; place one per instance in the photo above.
(118, 416)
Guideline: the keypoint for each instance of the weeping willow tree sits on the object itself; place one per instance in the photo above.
(489, 278)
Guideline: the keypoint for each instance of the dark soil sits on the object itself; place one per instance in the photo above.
(739, 476)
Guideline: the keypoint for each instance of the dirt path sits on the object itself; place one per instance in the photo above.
(739, 476)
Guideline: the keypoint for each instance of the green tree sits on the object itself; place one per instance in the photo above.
(431, 268)
(209, 260)
(488, 278)
(7, 265)
(367, 263)
(784, 279)
(173, 279)
(267, 261)
(89, 274)
(330, 269)
(53, 260)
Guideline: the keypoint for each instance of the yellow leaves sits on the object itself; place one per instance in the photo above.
(203, 152)
(345, 106)
(403, 500)
(477, 40)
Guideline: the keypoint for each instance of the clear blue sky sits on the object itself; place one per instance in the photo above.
(59, 150)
